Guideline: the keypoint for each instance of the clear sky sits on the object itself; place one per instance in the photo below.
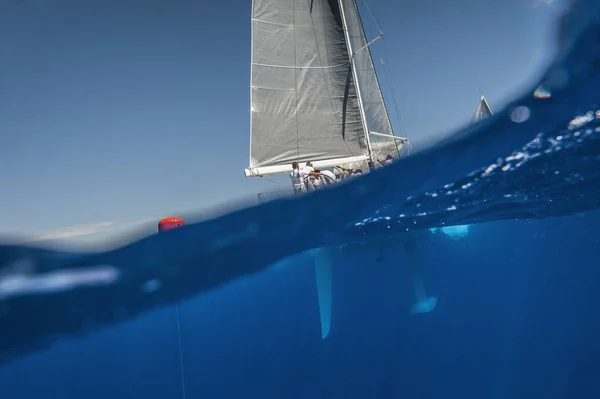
(121, 111)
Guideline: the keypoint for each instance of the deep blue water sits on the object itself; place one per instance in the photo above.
(517, 313)
(517, 317)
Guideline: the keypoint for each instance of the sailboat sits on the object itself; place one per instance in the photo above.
(315, 97)
(482, 111)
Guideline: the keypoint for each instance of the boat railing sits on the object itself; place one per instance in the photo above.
(271, 195)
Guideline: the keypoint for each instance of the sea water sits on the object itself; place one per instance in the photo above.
(538, 158)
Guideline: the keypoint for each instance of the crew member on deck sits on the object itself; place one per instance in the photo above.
(327, 177)
(344, 173)
(388, 160)
(315, 182)
(312, 178)
(299, 176)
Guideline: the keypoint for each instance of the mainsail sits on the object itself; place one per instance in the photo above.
(314, 91)
(483, 111)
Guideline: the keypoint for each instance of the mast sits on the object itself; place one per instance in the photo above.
(361, 107)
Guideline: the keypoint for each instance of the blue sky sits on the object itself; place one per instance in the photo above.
(113, 112)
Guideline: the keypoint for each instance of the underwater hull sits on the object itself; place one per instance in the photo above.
(324, 278)
(323, 264)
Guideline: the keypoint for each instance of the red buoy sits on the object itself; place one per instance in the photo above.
(170, 222)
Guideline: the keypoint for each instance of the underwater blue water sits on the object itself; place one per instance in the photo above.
(517, 318)
(517, 313)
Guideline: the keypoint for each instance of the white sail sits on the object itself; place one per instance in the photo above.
(383, 141)
(304, 100)
(483, 111)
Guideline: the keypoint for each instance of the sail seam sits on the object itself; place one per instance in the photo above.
(301, 67)
(269, 88)
(270, 23)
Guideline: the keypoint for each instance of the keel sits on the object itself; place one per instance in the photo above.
(324, 278)
(423, 303)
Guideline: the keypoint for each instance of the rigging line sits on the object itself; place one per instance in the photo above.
(392, 88)
(271, 180)
(390, 81)
(388, 74)
(183, 390)
(372, 17)
(388, 78)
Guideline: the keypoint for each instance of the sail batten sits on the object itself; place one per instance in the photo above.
(301, 67)
(304, 100)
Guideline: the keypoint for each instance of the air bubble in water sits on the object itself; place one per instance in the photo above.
(520, 114)
(151, 286)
